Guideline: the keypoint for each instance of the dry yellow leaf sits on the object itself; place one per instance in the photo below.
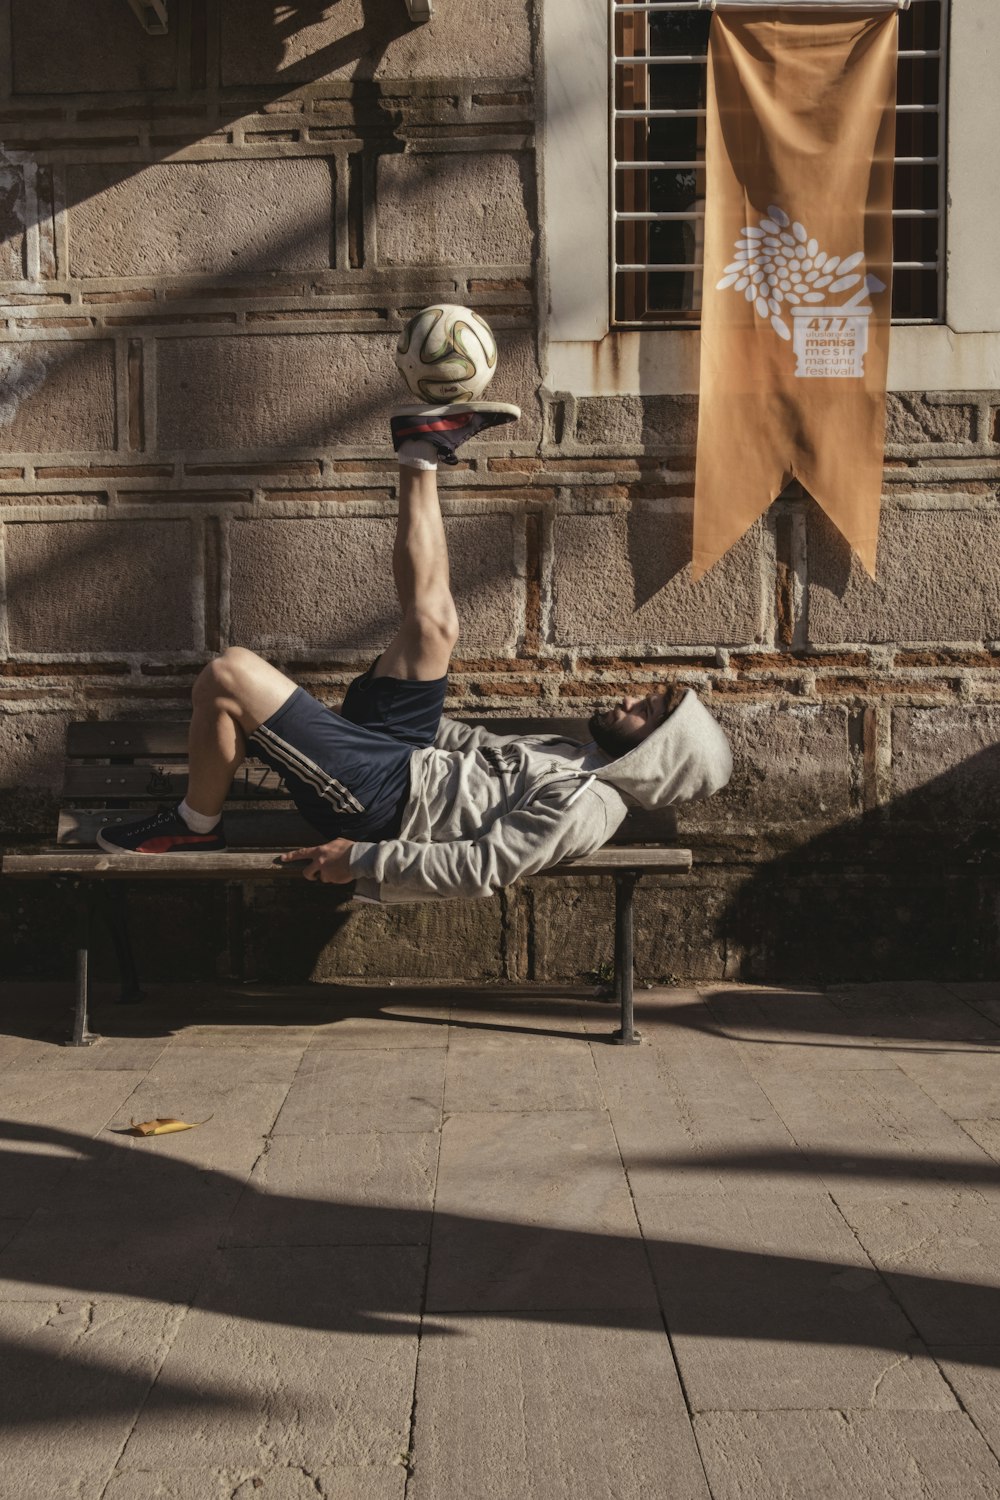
(165, 1126)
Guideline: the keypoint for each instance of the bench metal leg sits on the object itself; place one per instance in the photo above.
(82, 1035)
(115, 911)
(624, 889)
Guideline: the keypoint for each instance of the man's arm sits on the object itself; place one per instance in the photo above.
(553, 827)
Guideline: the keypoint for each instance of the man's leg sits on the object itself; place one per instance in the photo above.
(421, 649)
(232, 696)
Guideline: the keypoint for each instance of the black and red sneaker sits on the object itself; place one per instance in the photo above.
(164, 833)
(447, 427)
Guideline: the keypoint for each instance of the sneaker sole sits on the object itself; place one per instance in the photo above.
(455, 408)
(102, 843)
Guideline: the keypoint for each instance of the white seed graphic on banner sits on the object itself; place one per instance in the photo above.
(783, 272)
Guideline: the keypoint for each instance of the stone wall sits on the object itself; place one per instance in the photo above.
(209, 243)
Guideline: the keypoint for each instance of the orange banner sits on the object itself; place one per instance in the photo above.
(800, 137)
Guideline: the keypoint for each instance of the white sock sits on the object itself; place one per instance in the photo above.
(417, 453)
(196, 821)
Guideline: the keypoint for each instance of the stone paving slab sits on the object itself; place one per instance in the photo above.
(230, 1122)
(551, 1076)
(830, 1455)
(288, 1482)
(533, 1212)
(372, 1189)
(770, 1031)
(877, 1129)
(939, 1255)
(88, 1365)
(161, 1257)
(308, 1354)
(591, 1405)
(692, 1117)
(915, 1016)
(341, 1092)
(772, 1304)
(965, 1084)
(974, 1373)
(374, 1275)
(390, 1026)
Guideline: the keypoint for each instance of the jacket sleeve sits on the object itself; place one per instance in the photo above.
(527, 840)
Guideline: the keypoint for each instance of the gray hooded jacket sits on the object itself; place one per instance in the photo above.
(486, 809)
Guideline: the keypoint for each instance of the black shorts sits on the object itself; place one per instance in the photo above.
(348, 773)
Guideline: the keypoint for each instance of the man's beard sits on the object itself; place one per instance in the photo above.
(608, 737)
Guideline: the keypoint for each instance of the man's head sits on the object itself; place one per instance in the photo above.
(631, 720)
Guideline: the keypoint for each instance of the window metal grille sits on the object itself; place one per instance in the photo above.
(658, 90)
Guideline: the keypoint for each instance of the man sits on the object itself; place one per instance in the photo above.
(410, 805)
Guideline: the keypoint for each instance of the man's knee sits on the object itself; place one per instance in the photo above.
(437, 627)
(229, 675)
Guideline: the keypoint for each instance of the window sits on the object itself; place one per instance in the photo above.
(658, 140)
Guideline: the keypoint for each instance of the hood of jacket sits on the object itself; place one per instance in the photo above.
(685, 758)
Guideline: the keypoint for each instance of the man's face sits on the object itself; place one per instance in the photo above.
(628, 722)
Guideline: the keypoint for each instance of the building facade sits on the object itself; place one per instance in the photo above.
(209, 241)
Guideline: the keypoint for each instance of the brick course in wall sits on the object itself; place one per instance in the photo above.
(208, 245)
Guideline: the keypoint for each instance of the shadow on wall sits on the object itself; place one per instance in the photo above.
(56, 44)
(910, 890)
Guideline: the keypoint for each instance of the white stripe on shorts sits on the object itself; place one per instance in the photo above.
(325, 785)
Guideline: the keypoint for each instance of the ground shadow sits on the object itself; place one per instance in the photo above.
(128, 1224)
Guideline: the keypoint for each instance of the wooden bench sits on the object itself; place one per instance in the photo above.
(114, 770)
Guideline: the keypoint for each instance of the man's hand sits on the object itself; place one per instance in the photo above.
(325, 862)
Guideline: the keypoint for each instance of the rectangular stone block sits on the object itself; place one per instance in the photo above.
(791, 765)
(551, 1407)
(457, 208)
(533, 1213)
(12, 223)
(357, 1093)
(622, 582)
(57, 397)
(678, 930)
(326, 583)
(100, 586)
(316, 390)
(772, 1305)
(298, 1344)
(938, 579)
(86, 1365)
(910, 420)
(937, 1251)
(355, 39)
(870, 1455)
(32, 746)
(944, 764)
(657, 423)
(69, 49)
(375, 1189)
(180, 218)
(296, 932)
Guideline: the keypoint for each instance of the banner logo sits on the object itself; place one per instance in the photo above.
(784, 274)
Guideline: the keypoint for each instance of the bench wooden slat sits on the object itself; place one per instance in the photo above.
(113, 738)
(256, 828)
(163, 782)
(260, 865)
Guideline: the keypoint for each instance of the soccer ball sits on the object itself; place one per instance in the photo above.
(447, 353)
